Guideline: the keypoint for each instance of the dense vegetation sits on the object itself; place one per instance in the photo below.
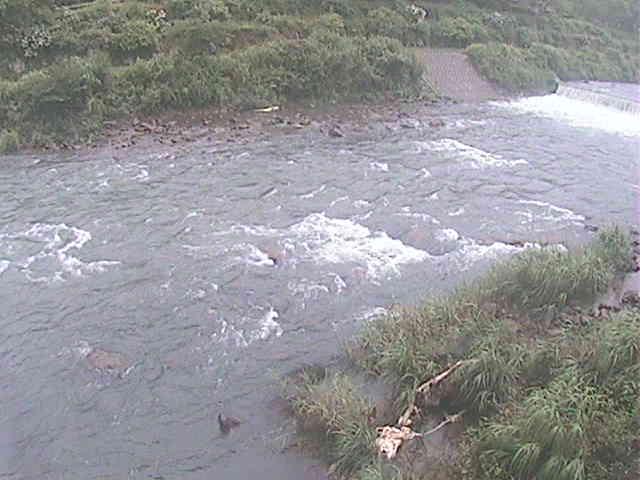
(68, 66)
(550, 391)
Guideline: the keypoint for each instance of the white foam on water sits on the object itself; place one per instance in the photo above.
(361, 203)
(425, 217)
(58, 241)
(4, 265)
(307, 289)
(338, 200)
(253, 255)
(339, 283)
(471, 253)
(315, 192)
(379, 166)
(550, 213)
(195, 213)
(478, 158)
(457, 213)
(254, 230)
(372, 314)
(336, 241)
(143, 175)
(229, 333)
(465, 123)
(578, 113)
(447, 235)
(425, 173)
(268, 327)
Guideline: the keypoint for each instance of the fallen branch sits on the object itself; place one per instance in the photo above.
(425, 391)
(451, 419)
(390, 438)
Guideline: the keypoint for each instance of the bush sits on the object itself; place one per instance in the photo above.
(386, 23)
(458, 32)
(196, 38)
(168, 81)
(555, 435)
(333, 414)
(9, 141)
(550, 279)
(63, 89)
(134, 39)
(510, 67)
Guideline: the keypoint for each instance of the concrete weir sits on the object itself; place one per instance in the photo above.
(452, 75)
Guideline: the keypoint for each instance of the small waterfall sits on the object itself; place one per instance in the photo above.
(600, 97)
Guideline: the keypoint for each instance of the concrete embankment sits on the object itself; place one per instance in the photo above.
(452, 75)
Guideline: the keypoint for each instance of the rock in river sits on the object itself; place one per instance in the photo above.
(107, 361)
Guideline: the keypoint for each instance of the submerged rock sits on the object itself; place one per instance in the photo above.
(107, 361)
(227, 424)
(335, 132)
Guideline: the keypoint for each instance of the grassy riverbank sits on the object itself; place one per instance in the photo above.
(548, 390)
(69, 66)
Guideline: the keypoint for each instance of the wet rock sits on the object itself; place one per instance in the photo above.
(631, 298)
(107, 361)
(335, 132)
(439, 242)
(276, 254)
(591, 228)
(604, 309)
(436, 123)
(304, 121)
(226, 424)
(409, 123)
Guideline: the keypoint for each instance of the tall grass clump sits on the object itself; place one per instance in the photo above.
(540, 400)
(333, 415)
(554, 435)
(610, 355)
(538, 281)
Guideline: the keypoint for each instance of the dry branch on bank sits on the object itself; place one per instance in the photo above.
(390, 438)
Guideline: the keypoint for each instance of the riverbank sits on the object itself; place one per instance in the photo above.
(72, 69)
(515, 375)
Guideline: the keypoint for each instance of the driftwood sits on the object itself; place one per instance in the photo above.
(390, 438)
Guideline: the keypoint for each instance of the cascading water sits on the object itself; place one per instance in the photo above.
(598, 93)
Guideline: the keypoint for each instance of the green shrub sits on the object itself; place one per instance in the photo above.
(334, 414)
(612, 350)
(386, 23)
(491, 380)
(213, 10)
(550, 279)
(510, 68)
(555, 435)
(181, 9)
(457, 32)
(62, 90)
(167, 81)
(134, 39)
(9, 141)
(196, 38)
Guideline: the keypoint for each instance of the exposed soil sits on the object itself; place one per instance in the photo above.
(453, 76)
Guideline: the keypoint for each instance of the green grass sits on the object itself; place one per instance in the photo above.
(241, 53)
(333, 416)
(545, 396)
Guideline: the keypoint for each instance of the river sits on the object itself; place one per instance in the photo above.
(217, 269)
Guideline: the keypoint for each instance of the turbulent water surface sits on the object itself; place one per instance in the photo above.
(213, 270)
